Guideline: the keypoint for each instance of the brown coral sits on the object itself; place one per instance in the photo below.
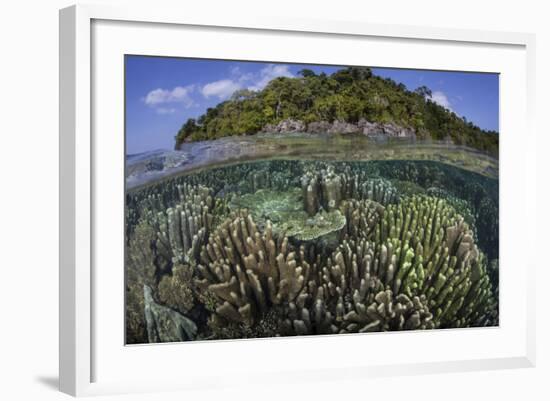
(249, 271)
(177, 290)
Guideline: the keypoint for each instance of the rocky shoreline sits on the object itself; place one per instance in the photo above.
(363, 127)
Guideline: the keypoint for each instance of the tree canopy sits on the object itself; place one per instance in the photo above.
(349, 94)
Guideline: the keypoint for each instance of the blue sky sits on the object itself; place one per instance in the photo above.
(163, 92)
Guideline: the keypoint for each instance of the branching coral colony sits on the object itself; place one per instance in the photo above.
(292, 248)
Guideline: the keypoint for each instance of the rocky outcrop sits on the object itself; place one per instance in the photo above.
(336, 127)
(286, 127)
(341, 127)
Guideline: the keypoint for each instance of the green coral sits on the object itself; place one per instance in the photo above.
(436, 256)
(461, 206)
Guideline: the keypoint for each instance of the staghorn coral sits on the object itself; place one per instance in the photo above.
(426, 257)
(388, 313)
(363, 253)
(327, 189)
(161, 238)
(461, 206)
(347, 296)
(182, 229)
(379, 190)
(435, 254)
(248, 271)
(419, 270)
(311, 192)
(361, 217)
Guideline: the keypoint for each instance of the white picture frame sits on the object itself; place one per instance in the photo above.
(83, 158)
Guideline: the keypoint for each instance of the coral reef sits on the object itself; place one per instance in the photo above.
(380, 190)
(326, 189)
(321, 190)
(439, 259)
(284, 210)
(297, 248)
(248, 270)
(140, 270)
(389, 313)
(177, 289)
(165, 324)
(361, 217)
(461, 206)
(182, 228)
(266, 204)
(487, 224)
(322, 224)
(418, 269)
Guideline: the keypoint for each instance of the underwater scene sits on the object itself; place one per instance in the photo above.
(312, 221)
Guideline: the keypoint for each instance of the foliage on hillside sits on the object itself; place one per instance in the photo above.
(349, 95)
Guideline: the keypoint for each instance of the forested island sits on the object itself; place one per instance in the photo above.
(351, 100)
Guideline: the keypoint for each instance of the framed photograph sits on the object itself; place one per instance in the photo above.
(295, 199)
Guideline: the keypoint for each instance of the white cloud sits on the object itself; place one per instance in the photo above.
(235, 70)
(441, 99)
(239, 76)
(165, 110)
(159, 97)
(224, 88)
(268, 73)
(221, 89)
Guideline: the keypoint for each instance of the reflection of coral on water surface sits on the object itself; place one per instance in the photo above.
(281, 248)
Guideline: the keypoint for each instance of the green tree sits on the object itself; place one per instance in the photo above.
(423, 91)
(306, 73)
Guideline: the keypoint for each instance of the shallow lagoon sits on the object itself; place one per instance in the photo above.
(281, 246)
